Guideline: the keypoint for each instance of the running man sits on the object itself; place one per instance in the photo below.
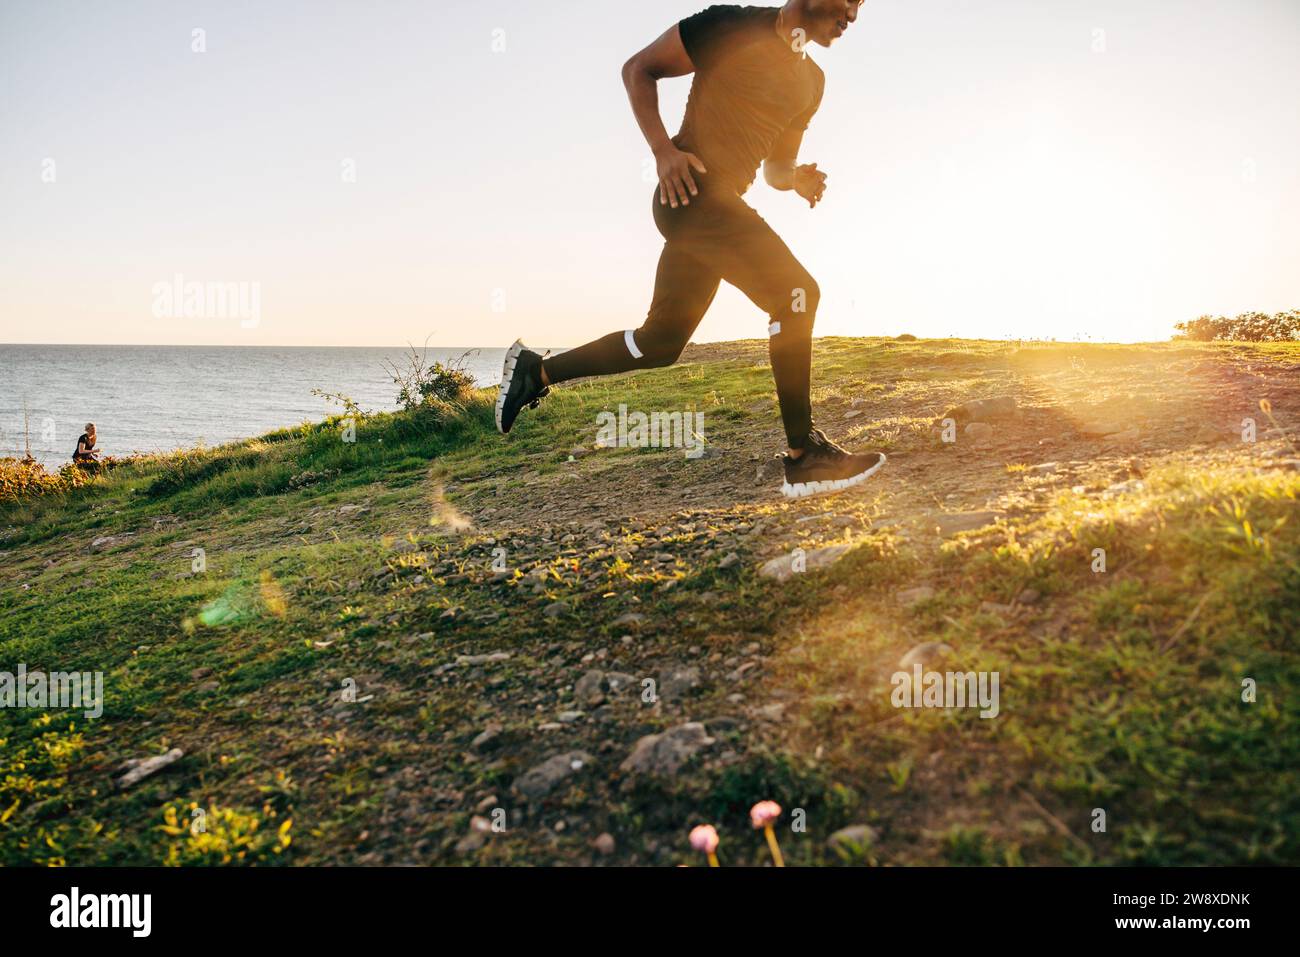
(753, 93)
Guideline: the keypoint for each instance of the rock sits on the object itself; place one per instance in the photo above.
(853, 413)
(910, 597)
(925, 652)
(539, 781)
(783, 567)
(950, 523)
(590, 686)
(106, 542)
(485, 805)
(569, 717)
(631, 619)
(771, 712)
(664, 754)
(722, 723)
(471, 842)
(616, 681)
(487, 739)
(855, 835)
(603, 844)
(729, 559)
(1029, 596)
(981, 410)
(1120, 488)
(1044, 467)
(483, 659)
(676, 681)
(198, 673)
(739, 673)
(980, 433)
(139, 770)
(555, 609)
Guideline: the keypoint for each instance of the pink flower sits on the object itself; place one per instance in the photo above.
(704, 838)
(764, 814)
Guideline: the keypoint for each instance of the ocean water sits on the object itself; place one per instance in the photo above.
(158, 398)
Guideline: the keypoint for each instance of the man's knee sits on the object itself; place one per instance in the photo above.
(654, 348)
(807, 298)
(793, 320)
(799, 307)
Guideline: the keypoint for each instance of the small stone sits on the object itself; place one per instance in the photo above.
(950, 523)
(569, 717)
(590, 686)
(632, 619)
(616, 681)
(980, 410)
(677, 681)
(855, 835)
(926, 651)
(1029, 596)
(539, 781)
(603, 844)
(910, 597)
(464, 660)
(729, 559)
(783, 567)
(471, 842)
(485, 805)
(555, 609)
(139, 770)
(487, 739)
(664, 754)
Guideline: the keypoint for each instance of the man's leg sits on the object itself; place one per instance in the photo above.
(684, 288)
(752, 257)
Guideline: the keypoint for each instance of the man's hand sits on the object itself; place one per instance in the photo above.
(810, 183)
(676, 184)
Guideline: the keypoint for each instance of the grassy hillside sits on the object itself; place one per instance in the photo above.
(351, 681)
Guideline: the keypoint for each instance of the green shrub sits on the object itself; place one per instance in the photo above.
(1247, 327)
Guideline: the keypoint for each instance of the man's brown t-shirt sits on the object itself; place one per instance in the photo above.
(750, 86)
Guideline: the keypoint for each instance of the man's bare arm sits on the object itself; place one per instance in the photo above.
(778, 168)
(780, 171)
(664, 57)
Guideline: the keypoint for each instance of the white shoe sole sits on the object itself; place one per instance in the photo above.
(830, 487)
(507, 376)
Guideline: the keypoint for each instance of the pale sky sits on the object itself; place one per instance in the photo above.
(998, 168)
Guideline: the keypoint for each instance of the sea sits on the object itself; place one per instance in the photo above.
(159, 398)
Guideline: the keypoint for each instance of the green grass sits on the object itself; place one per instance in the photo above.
(329, 562)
